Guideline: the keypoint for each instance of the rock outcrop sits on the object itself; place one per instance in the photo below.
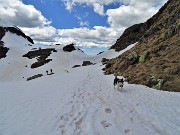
(155, 60)
(131, 35)
(15, 30)
(41, 56)
(34, 77)
(87, 63)
(3, 49)
(69, 48)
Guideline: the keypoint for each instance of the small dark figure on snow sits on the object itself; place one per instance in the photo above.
(47, 72)
(51, 71)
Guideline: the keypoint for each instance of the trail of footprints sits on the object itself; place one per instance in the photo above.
(74, 121)
(75, 117)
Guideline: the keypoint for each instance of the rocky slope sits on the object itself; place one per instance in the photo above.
(15, 30)
(134, 33)
(155, 60)
(41, 56)
(3, 50)
(131, 35)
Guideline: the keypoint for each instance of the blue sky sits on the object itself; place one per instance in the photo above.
(92, 24)
(55, 11)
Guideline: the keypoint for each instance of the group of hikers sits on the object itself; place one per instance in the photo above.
(51, 72)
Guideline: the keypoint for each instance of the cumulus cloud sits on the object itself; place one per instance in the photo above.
(125, 16)
(47, 34)
(100, 36)
(98, 5)
(98, 8)
(128, 13)
(34, 24)
(101, 2)
(133, 12)
(21, 15)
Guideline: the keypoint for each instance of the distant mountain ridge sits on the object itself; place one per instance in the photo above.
(155, 59)
(14, 30)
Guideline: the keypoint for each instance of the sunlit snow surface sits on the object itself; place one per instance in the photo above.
(81, 101)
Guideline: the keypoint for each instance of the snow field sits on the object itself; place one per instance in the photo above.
(80, 102)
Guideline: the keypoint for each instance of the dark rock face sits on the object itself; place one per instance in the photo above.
(131, 35)
(155, 60)
(104, 61)
(57, 44)
(76, 66)
(41, 52)
(80, 50)
(69, 48)
(100, 53)
(41, 56)
(2, 32)
(87, 63)
(3, 50)
(136, 32)
(34, 77)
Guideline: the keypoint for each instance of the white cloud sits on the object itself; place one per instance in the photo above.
(98, 5)
(81, 22)
(21, 15)
(133, 12)
(69, 5)
(47, 34)
(34, 24)
(102, 2)
(125, 16)
(84, 24)
(98, 35)
(98, 8)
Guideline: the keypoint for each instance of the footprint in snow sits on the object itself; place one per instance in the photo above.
(127, 131)
(108, 110)
(105, 124)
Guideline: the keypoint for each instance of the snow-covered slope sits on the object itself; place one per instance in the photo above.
(81, 101)
(15, 67)
(13, 64)
(84, 102)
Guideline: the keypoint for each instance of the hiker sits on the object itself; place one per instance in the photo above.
(51, 71)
